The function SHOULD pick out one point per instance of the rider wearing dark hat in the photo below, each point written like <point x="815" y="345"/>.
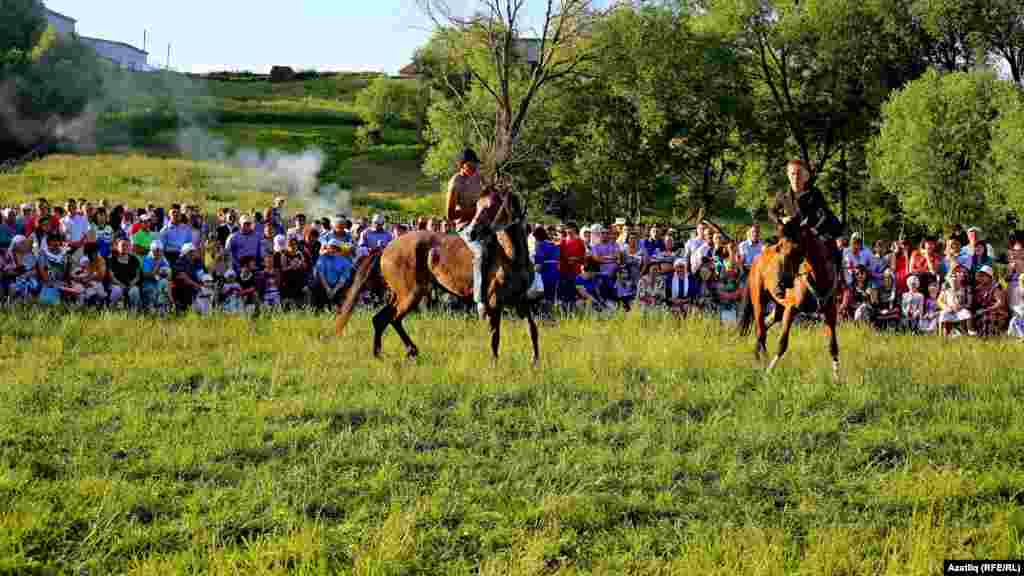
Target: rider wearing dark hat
<point x="464" y="194"/>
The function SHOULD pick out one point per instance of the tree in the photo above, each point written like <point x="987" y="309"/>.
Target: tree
<point x="660" y="105"/>
<point x="934" y="150"/>
<point x="495" y="51"/>
<point x="20" y="29"/>
<point x="1006" y="184"/>
<point x="386" y="101"/>
<point x="820" y="71"/>
<point x="45" y="80"/>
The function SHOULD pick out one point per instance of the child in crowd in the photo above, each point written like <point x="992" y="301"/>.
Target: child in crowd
<point x="219" y="260"/>
<point x="648" y="295"/>
<point x="203" y="304"/>
<point x="955" y="303"/>
<point x="164" y="300"/>
<point x="913" y="305"/>
<point x="1015" y="300"/>
<point x="625" y="288"/>
<point x="79" y="286"/>
<point x="930" y="318"/>
<point x="271" y="291"/>
<point x="231" y="293"/>
<point x="249" y="282"/>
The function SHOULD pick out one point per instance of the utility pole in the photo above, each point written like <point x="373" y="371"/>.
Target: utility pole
<point x="167" y="65"/>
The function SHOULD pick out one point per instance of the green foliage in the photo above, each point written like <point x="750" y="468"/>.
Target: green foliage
<point x="21" y="27"/>
<point x="935" y="144"/>
<point x="44" y="83"/>
<point x="390" y="102"/>
<point x="1006" y="186"/>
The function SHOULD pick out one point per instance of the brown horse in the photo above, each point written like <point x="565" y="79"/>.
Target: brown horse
<point x="414" y="262"/>
<point x="818" y="276"/>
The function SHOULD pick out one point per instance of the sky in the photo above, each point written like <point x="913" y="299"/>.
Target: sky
<point x="205" y="35"/>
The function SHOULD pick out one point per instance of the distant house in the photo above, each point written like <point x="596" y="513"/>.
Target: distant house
<point x="63" y="25"/>
<point x="410" y="71"/>
<point x="124" y="55"/>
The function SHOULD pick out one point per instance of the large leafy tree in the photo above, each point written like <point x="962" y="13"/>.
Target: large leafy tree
<point x="819" y="70"/>
<point x="494" y="47"/>
<point x="660" y="107"/>
<point x="45" y="80"/>
<point x="934" y="150"/>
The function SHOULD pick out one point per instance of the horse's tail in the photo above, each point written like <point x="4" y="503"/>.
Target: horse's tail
<point x="747" y="308"/>
<point x="370" y="265"/>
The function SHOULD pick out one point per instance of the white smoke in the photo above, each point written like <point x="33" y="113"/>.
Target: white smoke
<point x="295" y="175"/>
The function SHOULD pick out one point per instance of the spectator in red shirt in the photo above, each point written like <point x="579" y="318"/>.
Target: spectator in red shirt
<point x="572" y="251"/>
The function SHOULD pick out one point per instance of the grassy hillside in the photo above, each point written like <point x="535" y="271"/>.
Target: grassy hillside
<point x="268" y="446"/>
<point x="290" y="117"/>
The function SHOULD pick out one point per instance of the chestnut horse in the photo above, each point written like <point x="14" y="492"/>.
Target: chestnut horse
<point x="818" y="277"/>
<point x="414" y="262"/>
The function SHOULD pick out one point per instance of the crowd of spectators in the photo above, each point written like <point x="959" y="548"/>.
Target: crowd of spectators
<point x="150" y="259"/>
<point x="948" y="286"/>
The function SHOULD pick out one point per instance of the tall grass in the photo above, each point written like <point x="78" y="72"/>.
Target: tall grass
<point x="134" y="180"/>
<point x="643" y="445"/>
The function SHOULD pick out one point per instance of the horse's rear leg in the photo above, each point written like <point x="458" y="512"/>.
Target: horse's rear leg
<point x="831" y="316"/>
<point x="381" y="320"/>
<point x="526" y="311"/>
<point x="787" y="323"/>
<point x="402" y="308"/>
<point x="760" y="347"/>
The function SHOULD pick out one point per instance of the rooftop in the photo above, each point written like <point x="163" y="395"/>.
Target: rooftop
<point x="102" y="41"/>
<point x="59" y="15"/>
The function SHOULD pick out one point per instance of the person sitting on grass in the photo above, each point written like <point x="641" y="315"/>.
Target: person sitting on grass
<point x="1015" y="303"/>
<point x="153" y="275"/>
<point x="187" y="282"/>
<point x="55" y="269"/>
<point x="683" y="290"/>
<point x="203" y="304"/>
<point x="231" y="293"/>
<point x="125" y="275"/>
<point x="929" y="323"/>
<point x="990" y="309"/>
<point x="955" y="303"/>
<point x="586" y="286"/>
<point x="727" y="289"/>
<point x="887" y="303"/>
<point x="913" y="305"/>
<point x="856" y="301"/>
<point x="333" y="272"/>
<point x="250" y="279"/>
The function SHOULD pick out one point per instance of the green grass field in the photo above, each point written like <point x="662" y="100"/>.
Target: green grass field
<point x="642" y="446"/>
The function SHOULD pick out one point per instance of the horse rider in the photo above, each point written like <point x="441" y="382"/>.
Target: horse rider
<point x="465" y="192"/>
<point x="804" y="204"/>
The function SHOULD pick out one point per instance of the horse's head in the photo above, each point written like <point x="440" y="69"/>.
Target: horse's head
<point x="515" y="213"/>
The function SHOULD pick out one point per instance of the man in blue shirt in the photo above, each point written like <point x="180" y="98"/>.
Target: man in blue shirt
<point x="376" y="236"/>
<point x="333" y="272"/>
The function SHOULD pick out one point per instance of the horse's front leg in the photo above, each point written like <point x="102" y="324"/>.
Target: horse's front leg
<point x="787" y="323"/>
<point x="495" y="318"/>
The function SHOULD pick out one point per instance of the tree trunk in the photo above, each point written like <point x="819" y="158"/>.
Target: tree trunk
<point x="844" y="188"/>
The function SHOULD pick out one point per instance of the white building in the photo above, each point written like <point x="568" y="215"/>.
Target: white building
<point x="64" y="25"/>
<point x="124" y="55"/>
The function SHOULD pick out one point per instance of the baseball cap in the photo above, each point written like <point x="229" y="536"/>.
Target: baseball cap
<point x="378" y="219"/>
<point x="620" y="221"/>
<point x="985" y="270"/>
<point x="245" y="219"/>
<point x="156" y="245"/>
<point x="187" y="247"/>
